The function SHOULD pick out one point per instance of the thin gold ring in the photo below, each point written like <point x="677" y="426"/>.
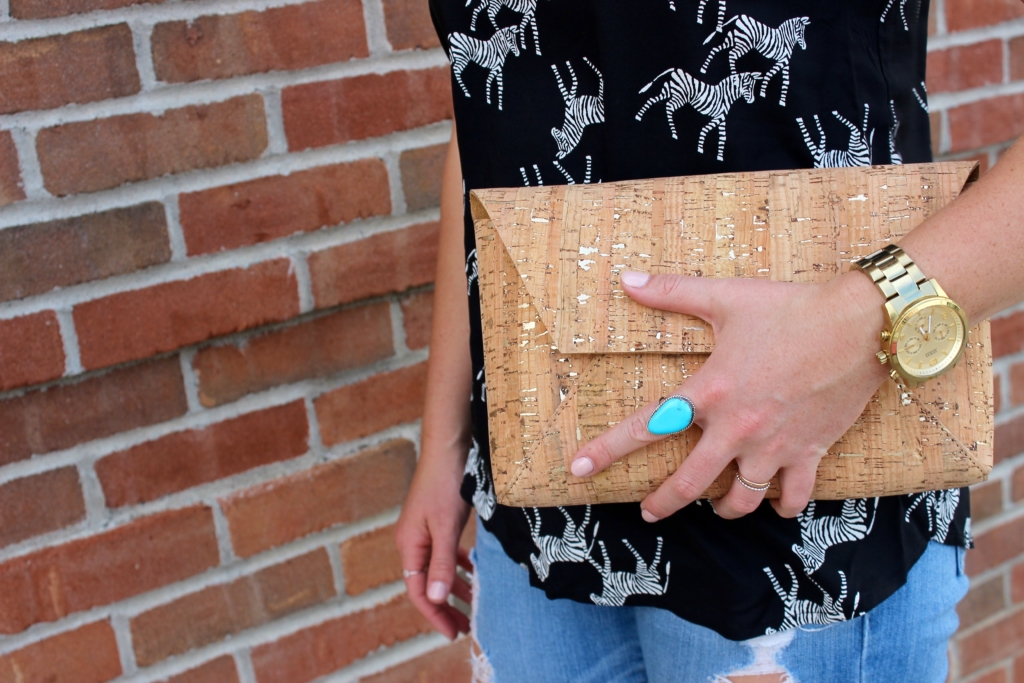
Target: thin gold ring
<point x="752" y="485"/>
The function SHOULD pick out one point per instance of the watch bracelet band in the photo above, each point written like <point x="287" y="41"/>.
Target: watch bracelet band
<point x="899" y="278"/>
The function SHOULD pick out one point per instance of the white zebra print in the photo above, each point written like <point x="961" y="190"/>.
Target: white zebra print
<point x="894" y="154"/>
<point x="857" y="153"/>
<point x="528" y="8"/>
<point x="682" y="89"/>
<point x="484" y="499"/>
<point x="800" y="612"/>
<point x="940" y="506"/>
<point x="571" y="546"/>
<point x="472" y="271"/>
<point x="921" y="99"/>
<point x="817" y="535"/>
<point x="903" y="13"/>
<point x="617" y="586"/>
<point x="490" y="54"/>
<point x="580" y="112"/>
<point x="561" y="169"/>
<point x="721" y="16"/>
<point x="772" y="43"/>
<point x="569" y="179"/>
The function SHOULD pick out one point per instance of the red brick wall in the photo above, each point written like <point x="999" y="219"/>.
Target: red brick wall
<point x="218" y="224"/>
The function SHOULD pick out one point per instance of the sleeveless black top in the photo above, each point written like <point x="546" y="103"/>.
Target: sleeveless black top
<point x="576" y="91"/>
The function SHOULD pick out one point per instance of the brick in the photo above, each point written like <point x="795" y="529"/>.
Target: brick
<point x="997" y="392"/>
<point x="140" y="556"/>
<point x="326" y="647"/>
<point x="965" y="66"/>
<point x="982" y="601"/>
<point x="986" y="122"/>
<point x="996" y="546"/>
<point x="144" y="322"/>
<point x="268" y="208"/>
<point x="988" y="645"/>
<point x="1017" y="582"/>
<point x="408" y="25"/>
<point x="967" y="14"/>
<point x="994" y="676"/>
<point x="935" y="128"/>
<point x="11" y="187"/>
<point x="333" y="112"/>
<point x="1018" y="669"/>
<point x="986" y="500"/>
<point x="95" y="155"/>
<point x="1009" y="439"/>
<point x="280" y="38"/>
<point x="87" y="66"/>
<point x="38" y="504"/>
<point x="422" y="170"/>
<point x="220" y="670"/>
<point x="383" y="263"/>
<point x="1017" y="384"/>
<point x="1017" y="59"/>
<point x="46" y="9"/>
<point x="357" y="410"/>
<point x="38" y="257"/>
<point x="370" y="559"/>
<point x="417" y="313"/>
<point x="334" y="493"/>
<point x="449" y="663"/>
<point x="189" y="458"/>
<point x="68" y="414"/>
<point x="343" y="340"/>
<point x="1008" y="334"/>
<point x="217" y="612"/>
<point x="86" y="655"/>
<point x="1017" y="484"/>
<point x="31" y="349"/>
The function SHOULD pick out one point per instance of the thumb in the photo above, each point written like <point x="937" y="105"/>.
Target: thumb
<point x="689" y="294"/>
<point x="443" y="559"/>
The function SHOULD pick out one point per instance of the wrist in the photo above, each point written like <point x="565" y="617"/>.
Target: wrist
<point x="864" y="316"/>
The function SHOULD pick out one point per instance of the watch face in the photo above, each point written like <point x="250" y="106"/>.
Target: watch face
<point x="929" y="337"/>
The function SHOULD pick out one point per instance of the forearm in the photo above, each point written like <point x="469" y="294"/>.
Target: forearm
<point x="974" y="247"/>
<point x="446" y="423"/>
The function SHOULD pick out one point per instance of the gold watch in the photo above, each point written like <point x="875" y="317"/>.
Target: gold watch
<point x="926" y="332"/>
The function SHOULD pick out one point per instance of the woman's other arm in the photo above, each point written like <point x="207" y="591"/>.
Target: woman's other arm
<point x="434" y="513"/>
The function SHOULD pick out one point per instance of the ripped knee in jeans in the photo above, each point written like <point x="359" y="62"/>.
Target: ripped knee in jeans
<point x="765" y="668"/>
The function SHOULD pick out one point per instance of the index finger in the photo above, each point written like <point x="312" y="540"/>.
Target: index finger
<point x="636" y="431"/>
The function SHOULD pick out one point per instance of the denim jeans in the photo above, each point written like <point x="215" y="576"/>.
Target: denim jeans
<point x="525" y="637"/>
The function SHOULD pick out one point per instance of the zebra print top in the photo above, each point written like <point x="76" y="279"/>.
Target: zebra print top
<point x="577" y="91"/>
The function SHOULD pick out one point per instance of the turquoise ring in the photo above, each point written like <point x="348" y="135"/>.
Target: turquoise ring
<point x="674" y="415"/>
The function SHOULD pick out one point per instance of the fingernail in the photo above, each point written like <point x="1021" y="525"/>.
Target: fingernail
<point x="581" y="467"/>
<point x="648" y="517"/>
<point x="634" y="279"/>
<point x="437" y="591"/>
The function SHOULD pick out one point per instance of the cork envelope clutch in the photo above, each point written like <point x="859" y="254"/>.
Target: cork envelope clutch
<point x="568" y="354"/>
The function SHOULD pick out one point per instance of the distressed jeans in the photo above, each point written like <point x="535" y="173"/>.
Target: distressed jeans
<point x="522" y="636"/>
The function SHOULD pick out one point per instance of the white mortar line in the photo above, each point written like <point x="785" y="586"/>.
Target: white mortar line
<point x="391" y="163"/>
<point x="172" y="11"/>
<point x="5" y="10"/>
<point x="277" y="140"/>
<point x="136" y="605"/>
<point x="376" y="27"/>
<point x="316" y="444"/>
<point x="158" y="189"/>
<point x="188" y="377"/>
<point x="175" y="96"/>
<point x="399" y="653"/>
<point x="338" y="573"/>
<point x="1006" y="62"/>
<point x="69" y="337"/>
<point x="243" y="664"/>
<point x="939" y="6"/>
<point x="31" y="174"/>
<point x="1004" y="30"/>
<point x="175" y="234"/>
<point x="123" y="637"/>
<point x="96" y="513"/>
<point x="398" y="329"/>
<point x="945" y="138"/>
<point x="141" y="39"/>
<point x="223" y="531"/>
<point x="949" y="100"/>
<point x="300" y="268"/>
<point x="243" y="257"/>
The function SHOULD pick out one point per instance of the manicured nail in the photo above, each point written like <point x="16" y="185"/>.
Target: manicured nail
<point x="581" y="467"/>
<point x="648" y="517"/>
<point x="437" y="591"/>
<point x="634" y="279"/>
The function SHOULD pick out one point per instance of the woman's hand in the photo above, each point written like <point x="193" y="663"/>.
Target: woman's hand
<point x="793" y="367"/>
<point x="427" y="535"/>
